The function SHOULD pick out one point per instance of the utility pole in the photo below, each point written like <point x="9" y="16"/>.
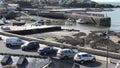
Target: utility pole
<point x="107" y="40"/>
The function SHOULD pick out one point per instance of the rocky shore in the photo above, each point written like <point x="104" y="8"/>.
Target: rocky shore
<point x="84" y="38"/>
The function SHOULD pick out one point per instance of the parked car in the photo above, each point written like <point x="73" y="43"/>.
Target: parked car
<point x="65" y="53"/>
<point x="31" y="45"/>
<point x="117" y="64"/>
<point x="36" y="24"/>
<point x="82" y="57"/>
<point x="13" y="41"/>
<point x="47" y="50"/>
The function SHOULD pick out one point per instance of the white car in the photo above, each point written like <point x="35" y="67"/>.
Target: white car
<point x="117" y="65"/>
<point x="36" y="24"/>
<point x="65" y="53"/>
<point x="82" y="57"/>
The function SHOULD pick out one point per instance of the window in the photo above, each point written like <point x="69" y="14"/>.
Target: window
<point x="47" y="48"/>
<point x="30" y="44"/>
<point x="85" y="55"/>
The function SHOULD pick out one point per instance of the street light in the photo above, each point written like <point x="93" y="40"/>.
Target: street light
<point x="106" y="34"/>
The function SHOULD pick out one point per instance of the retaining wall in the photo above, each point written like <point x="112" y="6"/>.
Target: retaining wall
<point x="93" y="51"/>
<point x="34" y="31"/>
<point x="96" y="20"/>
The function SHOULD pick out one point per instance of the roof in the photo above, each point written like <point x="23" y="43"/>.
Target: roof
<point x="81" y="53"/>
<point x="65" y="49"/>
<point x="12" y="38"/>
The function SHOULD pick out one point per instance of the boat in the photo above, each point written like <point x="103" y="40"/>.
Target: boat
<point x="80" y="21"/>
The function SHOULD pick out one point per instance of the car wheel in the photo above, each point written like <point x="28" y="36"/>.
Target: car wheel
<point x="66" y="57"/>
<point x="8" y="45"/>
<point x="45" y="53"/>
<point x="82" y="61"/>
<point x="76" y="61"/>
<point x="93" y="59"/>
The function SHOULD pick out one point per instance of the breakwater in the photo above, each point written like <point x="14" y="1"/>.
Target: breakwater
<point x="96" y="19"/>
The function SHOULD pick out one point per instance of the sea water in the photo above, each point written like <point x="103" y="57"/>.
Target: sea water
<point x="115" y="20"/>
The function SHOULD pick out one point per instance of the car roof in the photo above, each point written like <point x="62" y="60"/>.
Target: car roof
<point x="33" y="41"/>
<point x="27" y="42"/>
<point x="65" y="49"/>
<point x="46" y="47"/>
<point x="12" y="38"/>
<point x="82" y="53"/>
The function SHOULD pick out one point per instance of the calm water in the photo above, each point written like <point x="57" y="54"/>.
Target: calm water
<point x="115" y="21"/>
<point x="113" y="3"/>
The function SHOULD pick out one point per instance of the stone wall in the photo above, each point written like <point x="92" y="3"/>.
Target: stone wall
<point x="34" y="31"/>
<point x="96" y="20"/>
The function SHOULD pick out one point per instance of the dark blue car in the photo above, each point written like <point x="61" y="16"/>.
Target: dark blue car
<point x="47" y="50"/>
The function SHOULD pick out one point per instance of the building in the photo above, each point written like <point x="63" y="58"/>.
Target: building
<point x="83" y="1"/>
<point x="61" y="2"/>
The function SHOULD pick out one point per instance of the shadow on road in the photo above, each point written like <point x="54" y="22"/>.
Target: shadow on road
<point x="92" y="64"/>
<point x="57" y="63"/>
<point x="14" y="47"/>
<point x="29" y="50"/>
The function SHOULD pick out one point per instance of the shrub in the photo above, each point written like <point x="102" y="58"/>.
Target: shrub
<point x="9" y="66"/>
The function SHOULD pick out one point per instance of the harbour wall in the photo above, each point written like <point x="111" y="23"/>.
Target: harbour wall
<point x="34" y="31"/>
<point x="95" y="19"/>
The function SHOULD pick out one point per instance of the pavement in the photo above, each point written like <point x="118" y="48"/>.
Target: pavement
<point x="114" y="61"/>
<point x="57" y="63"/>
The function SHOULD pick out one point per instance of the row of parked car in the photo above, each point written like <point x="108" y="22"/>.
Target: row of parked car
<point x="17" y="42"/>
<point x="47" y="50"/>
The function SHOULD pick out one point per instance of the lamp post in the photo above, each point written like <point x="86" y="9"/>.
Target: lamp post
<point x="107" y="39"/>
<point x="107" y="54"/>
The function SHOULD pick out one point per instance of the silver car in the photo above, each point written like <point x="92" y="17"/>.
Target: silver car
<point x="65" y="53"/>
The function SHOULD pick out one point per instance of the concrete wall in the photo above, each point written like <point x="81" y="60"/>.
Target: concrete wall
<point x="96" y="20"/>
<point x="34" y="31"/>
<point x="93" y="51"/>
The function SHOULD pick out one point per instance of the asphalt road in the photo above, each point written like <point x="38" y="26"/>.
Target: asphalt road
<point x="57" y="63"/>
<point x="15" y="50"/>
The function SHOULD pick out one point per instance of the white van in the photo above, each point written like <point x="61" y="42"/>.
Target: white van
<point x="117" y="64"/>
<point x="13" y="41"/>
